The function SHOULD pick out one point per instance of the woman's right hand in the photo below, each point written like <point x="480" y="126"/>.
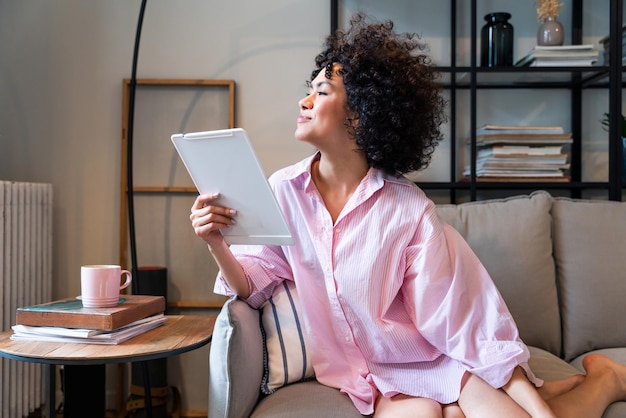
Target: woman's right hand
<point x="208" y="219"/>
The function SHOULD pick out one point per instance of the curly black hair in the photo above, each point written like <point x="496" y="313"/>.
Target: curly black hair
<point x="391" y="89"/>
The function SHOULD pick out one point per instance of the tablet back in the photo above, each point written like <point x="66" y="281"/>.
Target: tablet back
<point x="223" y="161"/>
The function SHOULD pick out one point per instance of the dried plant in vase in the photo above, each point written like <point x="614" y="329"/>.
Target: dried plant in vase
<point x="550" y="31"/>
<point x="547" y="8"/>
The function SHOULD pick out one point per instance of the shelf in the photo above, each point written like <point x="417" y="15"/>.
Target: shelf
<point x="484" y="185"/>
<point x="470" y="79"/>
<point x="167" y="189"/>
<point x="525" y="77"/>
<point x="163" y="187"/>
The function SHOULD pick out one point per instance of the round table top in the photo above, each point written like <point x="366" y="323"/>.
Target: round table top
<point x="179" y="334"/>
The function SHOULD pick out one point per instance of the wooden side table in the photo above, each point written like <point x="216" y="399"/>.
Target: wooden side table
<point x="179" y="334"/>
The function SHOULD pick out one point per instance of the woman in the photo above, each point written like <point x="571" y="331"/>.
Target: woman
<point x="388" y="291"/>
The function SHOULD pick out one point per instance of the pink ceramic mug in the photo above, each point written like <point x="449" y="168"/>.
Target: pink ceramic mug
<point x="100" y="285"/>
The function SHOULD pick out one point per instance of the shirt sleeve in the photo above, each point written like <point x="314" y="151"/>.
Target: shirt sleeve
<point x="456" y="306"/>
<point x="264" y="266"/>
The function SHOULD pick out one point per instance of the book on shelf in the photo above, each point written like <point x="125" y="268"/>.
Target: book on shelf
<point x="520" y="153"/>
<point x="563" y="62"/>
<point x="84" y="335"/>
<point x="70" y="313"/>
<point x="518" y="167"/>
<point x="523" y="138"/>
<point x="519" y="174"/>
<point x="563" y="49"/>
<point x="565" y="55"/>
<point x="490" y="129"/>
<point x="525" y="162"/>
<point x="492" y="135"/>
<point x="519" y="150"/>
<point x="521" y="165"/>
<point x="528" y="179"/>
<point x="517" y="171"/>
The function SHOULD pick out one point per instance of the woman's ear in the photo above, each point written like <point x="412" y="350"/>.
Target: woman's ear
<point x="352" y="117"/>
<point x="353" y="120"/>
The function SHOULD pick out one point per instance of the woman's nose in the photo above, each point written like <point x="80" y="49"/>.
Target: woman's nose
<point x="306" y="102"/>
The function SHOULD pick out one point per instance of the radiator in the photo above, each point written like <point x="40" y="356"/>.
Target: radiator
<point x="25" y="279"/>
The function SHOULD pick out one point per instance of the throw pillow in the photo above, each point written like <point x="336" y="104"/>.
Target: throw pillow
<point x="286" y="358"/>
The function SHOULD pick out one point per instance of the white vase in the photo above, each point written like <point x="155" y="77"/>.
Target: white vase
<point x="550" y="32"/>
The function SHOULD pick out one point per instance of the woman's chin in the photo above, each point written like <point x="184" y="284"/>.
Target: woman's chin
<point x="300" y="135"/>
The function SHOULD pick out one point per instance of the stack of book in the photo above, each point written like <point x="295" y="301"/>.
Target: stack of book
<point x="521" y="153"/>
<point x="605" y="42"/>
<point x="560" y="56"/>
<point x="66" y="320"/>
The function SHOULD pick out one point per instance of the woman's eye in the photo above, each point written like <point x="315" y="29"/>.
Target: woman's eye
<point x="319" y="93"/>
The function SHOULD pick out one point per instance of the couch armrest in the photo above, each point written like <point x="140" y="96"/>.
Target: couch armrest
<point x="235" y="361"/>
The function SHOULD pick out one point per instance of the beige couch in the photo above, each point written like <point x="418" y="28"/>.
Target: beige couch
<point x="559" y="263"/>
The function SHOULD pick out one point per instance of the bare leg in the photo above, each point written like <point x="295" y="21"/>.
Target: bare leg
<point x="573" y="397"/>
<point x="552" y="389"/>
<point x="604" y="384"/>
<point x="452" y="411"/>
<point x="403" y="406"/>
<point x="480" y="400"/>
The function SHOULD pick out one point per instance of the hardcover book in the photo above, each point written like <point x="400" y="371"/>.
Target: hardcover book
<point x="86" y="336"/>
<point x="70" y="313"/>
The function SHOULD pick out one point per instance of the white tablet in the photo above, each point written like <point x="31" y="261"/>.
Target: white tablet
<point x="223" y="161"/>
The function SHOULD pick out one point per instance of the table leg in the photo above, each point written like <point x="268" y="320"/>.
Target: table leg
<point x="147" y="390"/>
<point x="84" y="390"/>
<point x="52" y="389"/>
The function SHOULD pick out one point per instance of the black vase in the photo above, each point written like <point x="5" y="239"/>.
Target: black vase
<point x="496" y="36"/>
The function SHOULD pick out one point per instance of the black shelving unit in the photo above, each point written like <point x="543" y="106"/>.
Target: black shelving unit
<point x="574" y="79"/>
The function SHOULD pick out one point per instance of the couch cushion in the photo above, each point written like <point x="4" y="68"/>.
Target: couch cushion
<point x="615" y="410"/>
<point x="512" y="238"/>
<point x="547" y="366"/>
<point x="236" y="342"/>
<point x="306" y="400"/>
<point x="589" y="251"/>
<point x="618" y="354"/>
<point x="286" y="358"/>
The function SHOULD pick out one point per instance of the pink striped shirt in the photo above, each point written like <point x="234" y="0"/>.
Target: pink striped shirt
<point x="393" y="299"/>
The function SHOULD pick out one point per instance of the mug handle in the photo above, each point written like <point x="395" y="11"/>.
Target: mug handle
<point x="129" y="278"/>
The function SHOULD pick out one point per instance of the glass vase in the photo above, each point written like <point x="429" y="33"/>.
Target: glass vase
<point x="496" y="41"/>
<point x="550" y="32"/>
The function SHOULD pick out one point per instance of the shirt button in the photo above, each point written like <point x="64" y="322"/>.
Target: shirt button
<point x="360" y="370"/>
<point x="347" y="339"/>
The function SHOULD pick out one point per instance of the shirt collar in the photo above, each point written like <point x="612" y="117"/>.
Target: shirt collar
<point x="373" y="180"/>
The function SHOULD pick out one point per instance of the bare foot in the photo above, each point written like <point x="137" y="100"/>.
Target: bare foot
<point x="554" y="388"/>
<point x="610" y="372"/>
